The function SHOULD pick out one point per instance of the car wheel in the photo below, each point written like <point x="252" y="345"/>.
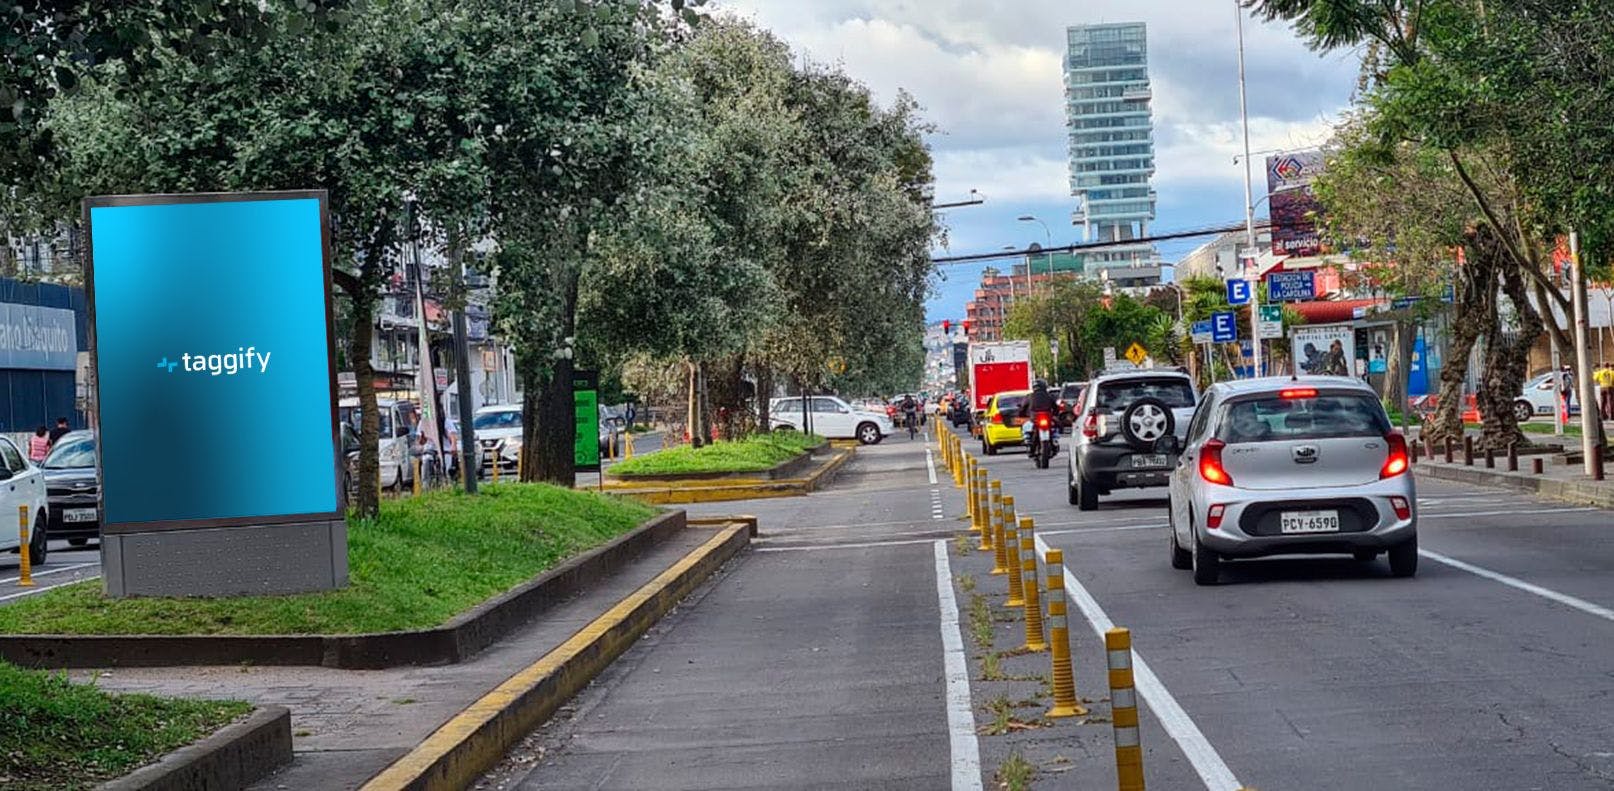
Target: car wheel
<point x="38" y="543"/>
<point x="991" y="450"/>
<point x="1087" y="495"/>
<point x="77" y="542"/>
<point x="1070" y="488"/>
<point x="868" y="433"/>
<point x="1181" y="559"/>
<point x="1365" y="555"/>
<point x="1207" y="565"/>
<point x="1522" y="411"/>
<point x="1145" y="422"/>
<point x="398" y="482"/>
<point x="1404" y="558"/>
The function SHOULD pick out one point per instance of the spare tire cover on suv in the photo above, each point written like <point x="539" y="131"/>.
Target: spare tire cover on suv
<point x="1147" y="420"/>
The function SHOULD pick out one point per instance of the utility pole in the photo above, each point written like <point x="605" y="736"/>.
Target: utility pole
<point x="1249" y="206"/>
<point x="1591" y="418"/>
<point x="462" y="372"/>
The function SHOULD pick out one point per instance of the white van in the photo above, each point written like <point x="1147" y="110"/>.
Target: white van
<point x="397" y="469"/>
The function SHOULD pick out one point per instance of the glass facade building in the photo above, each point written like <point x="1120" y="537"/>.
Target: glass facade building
<point x="1111" y="137"/>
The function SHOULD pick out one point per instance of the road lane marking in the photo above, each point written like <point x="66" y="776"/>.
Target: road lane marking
<point x="48" y="572"/>
<point x="1207" y="763"/>
<point x="1107" y="529"/>
<point x="966" y="750"/>
<point x="857" y="545"/>
<point x="930" y="466"/>
<point x="1514" y="582"/>
<point x="37" y="591"/>
<point x="936" y="505"/>
<point x="1422" y="515"/>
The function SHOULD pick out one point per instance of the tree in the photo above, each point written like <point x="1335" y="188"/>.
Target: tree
<point x="1058" y="313"/>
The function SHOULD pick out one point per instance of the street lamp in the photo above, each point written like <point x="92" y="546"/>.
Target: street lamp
<point x="1249" y="203"/>
<point x="1047" y="236"/>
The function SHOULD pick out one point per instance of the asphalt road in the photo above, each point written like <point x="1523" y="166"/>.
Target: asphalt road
<point x="63" y="565"/>
<point x="1493" y="668"/>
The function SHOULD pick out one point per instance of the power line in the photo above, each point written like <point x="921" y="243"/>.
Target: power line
<point x="1072" y="248"/>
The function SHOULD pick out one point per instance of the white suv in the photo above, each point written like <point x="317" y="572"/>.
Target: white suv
<point x="22" y="484"/>
<point x="832" y="418"/>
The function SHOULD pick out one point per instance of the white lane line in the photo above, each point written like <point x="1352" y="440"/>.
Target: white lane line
<point x="960" y="714"/>
<point x="1514" y="582"/>
<point x="49" y="572"/>
<point x="1109" y="529"/>
<point x="930" y="466"/>
<point x="46" y="588"/>
<point x="859" y="545"/>
<point x="1176" y="722"/>
<point x="1422" y="515"/>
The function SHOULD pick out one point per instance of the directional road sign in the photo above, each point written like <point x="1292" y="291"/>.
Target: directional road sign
<point x="1202" y="331"/>
<point x="1271" y="323"/>
<point x="1238" y="292"/>
<point x="1224" y="327"/>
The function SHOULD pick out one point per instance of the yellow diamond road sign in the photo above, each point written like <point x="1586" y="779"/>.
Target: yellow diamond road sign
<point x="1137" y="354"/>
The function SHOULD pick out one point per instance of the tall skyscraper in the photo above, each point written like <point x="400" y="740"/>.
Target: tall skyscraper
<point x="1111" y="139"/>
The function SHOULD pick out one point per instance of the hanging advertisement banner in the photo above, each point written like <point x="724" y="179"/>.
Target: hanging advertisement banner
<point x="1294" y="208"/>
<point x="1324" y="350"/>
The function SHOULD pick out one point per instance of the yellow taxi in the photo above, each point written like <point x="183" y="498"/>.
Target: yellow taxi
<point x="1001" y="425"/>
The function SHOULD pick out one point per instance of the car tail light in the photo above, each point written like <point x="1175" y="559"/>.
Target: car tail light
<point x="1090" y="425"/>
<point x="1042" y="420"/>
<point x="1210" y="463"/>
<point x="1403" y="510"/>
<point x="1298" y="392"/>
<point x="1396" y="462"/>
<point x="997" y="417"/>
<point x="1213" y="517"/>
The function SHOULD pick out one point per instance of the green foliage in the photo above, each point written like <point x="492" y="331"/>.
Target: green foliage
<point x="421" y="562"/>
<point x="752" y="454"/>
<point x="63" y="736"/>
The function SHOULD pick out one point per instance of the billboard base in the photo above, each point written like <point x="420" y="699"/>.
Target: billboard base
<point x="230" y="561"/>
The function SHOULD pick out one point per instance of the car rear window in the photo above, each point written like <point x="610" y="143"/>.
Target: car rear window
<point x="1117" y="396"/>
<point x="1010" y="402"/>
<point x="1070" y="392"/>
<point x="1325" y="416"/>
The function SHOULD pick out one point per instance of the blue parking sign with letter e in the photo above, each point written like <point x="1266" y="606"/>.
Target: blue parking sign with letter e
<point x="1224" y="327"/>
<point x="1238" y="292"/>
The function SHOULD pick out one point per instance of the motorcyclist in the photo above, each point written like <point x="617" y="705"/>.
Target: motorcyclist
<point x="1039" y="402"/>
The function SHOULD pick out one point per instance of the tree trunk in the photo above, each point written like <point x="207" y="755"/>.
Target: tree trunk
<point x="1507" y="358"/>
<point x="368" y="490"/>
<point x="692" y="408"/>
<point x="764" y="396"/>
<point x="1474" y="300"/>
<point x="728" y="398"/>
<point x="549" y="412"/>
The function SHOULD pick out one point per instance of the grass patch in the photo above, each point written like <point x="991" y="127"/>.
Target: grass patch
<point x="980" y="620"/>
<point x="752" y="454"/>
<point x="992" y="667"/>
<point x="962" y="545"/>
<point x="55" y="734"/>
<point x="421" y="562"/>
<point x="1015" y="773"/>
<point x="966" y="582"/>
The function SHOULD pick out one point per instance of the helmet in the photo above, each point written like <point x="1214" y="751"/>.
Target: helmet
<point x="1039" y="385"/>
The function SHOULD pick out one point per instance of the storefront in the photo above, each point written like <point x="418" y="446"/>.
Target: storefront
<point x="43" y="349"/>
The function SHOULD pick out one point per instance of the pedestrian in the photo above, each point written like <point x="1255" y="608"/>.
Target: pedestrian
<point x="1605" y="390"/>
<point x="38" y="445"/>
<point x="61" y="428"/>
<point x="1566" y="388"/>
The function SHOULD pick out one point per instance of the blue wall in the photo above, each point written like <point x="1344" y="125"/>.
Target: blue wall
<point x="29" y="398"/>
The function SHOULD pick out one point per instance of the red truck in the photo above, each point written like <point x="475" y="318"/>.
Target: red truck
<point x="996" y="367"/>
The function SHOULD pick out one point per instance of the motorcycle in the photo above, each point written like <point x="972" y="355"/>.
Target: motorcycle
<point x="1042" y="440"/>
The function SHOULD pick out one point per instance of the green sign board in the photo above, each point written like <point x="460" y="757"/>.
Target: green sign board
<point x="586" y="397"/>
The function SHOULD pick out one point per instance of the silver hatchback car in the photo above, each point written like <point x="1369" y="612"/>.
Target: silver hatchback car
<point x="1292" y="466"/>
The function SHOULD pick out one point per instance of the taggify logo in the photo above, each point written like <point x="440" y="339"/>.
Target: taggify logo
<point x="242" y="359"/>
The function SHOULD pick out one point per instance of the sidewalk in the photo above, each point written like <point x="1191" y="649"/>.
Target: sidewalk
<point x="347" y="725"/>
<point x="1559" y="481"/>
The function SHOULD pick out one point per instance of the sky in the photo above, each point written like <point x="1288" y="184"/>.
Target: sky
<point x="989" y="76"/>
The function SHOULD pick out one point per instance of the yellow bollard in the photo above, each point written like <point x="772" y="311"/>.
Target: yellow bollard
<point x="958" y="469"/>
<point x="969" y="491"/>
<point x="417" y="476"/>
<point x="520" y="454"/>
<point x="1011" y="558"/>
<point x="1000" y="563"/>
<point x="1124" y="710"/>
<point x="25" y="577"/>
<point x="993" y="515"/>
<point x="1065" y="701"/>
<point x="980" y="501"/>
<point x="1031" y="587"/>
<point x="628" y="454"/>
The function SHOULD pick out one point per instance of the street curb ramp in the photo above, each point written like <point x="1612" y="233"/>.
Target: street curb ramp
<point x="236" y="756"/>
<point x="474" y="740"/>
<point x="455" y="641"/>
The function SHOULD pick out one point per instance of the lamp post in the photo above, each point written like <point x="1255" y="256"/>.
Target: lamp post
<point x="1249" y="204"/>
<point x="1047" y="236"/>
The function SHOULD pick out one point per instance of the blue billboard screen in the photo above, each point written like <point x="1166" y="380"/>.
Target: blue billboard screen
<point x="212" y="332"/>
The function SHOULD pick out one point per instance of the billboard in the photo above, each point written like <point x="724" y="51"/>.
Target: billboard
<point x="586" y="408"/>
<point x="1293" y="207"/>
<point x="1325" y="350"/>
<point x="211" y="331"/>
<point x="36" y="337"/>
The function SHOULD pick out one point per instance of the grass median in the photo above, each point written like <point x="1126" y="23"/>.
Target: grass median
<point x="56" y="735"/>
<point x="753" y="454"/>
<point x="421" y="562"/>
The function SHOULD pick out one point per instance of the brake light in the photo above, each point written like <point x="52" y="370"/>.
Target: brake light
<point x="1090" y="425"/>
<point x="1403" y="510"/>
<point x="997" y="417"/>
<point x="1042" y="420"/>
<point x="1213" y="517"/>
<point x="1298" y="392"/>
<point x="1396" y="462"/>
<point x="1210" y="463"/>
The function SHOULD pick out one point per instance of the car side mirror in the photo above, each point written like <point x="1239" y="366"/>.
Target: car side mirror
<point x="1168" y="444"/>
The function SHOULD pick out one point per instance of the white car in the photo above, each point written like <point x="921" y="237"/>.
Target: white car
<point x="397" y="469"/>
<point x="498" y="433"/>
<point x="22" y="484"/>
<point x="832" y="418"/>
<point x="1540" y="398"/>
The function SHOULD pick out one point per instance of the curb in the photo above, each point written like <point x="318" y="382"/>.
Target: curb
<point x="1577" y="492"/>
<point x="474" y="740"/>
<point x="455" y="641"/>
<point x="709" y="492"/>
<point x="236" y="756"/>
<point x="778" y="472"/>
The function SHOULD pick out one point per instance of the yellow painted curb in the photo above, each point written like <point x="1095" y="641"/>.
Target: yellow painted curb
<point x="474" y="740"/>
<point x="710" y="492"/>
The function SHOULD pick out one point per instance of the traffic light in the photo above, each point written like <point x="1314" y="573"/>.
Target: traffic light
<point x="947" y="327"/>
<point x="966" y="327"/>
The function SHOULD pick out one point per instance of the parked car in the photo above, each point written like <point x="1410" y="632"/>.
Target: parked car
<point x="1540" y="397"/>
<point x="73" y="489"/>
<point x="832" y="418"/>
<point x="1070" y="394"/>
<point x="1000" y="427"/>
<point x="1284" y="466"/>
<point x="25" y="486"/>
<point x="1121" y="417"/>
<point x="397" y="466"/>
